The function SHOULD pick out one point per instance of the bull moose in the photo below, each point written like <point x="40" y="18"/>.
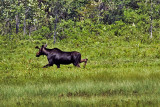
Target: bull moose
<point x="57" y="57"/>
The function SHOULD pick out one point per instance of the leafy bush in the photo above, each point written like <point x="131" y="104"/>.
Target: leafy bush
<point x="44" y="32"/>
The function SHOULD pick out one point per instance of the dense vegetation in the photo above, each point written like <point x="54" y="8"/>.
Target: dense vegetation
<point x="123" y="67"/>
<point x="61" y="19"/>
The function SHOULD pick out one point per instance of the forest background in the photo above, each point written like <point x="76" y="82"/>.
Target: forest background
<point x="64" y="18"/>
<point x="119" y="37"/>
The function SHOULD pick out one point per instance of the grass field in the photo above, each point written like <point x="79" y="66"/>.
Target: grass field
<point x="118" y="73"/>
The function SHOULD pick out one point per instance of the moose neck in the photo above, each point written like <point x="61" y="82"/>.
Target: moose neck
<point x="45" y="51"/>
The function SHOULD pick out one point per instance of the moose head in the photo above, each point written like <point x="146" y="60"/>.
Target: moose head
<point x="41" y="50"/>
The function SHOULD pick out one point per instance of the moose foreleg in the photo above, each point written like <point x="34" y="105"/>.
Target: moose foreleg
<point x="47" y="65"/>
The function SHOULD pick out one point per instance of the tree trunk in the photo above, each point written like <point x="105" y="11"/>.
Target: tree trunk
<point x="151" y="26"/>
<point x="30" y="29"/>
<point x="24" y="24"/>
<point x="55" y="32"/>
<point x="17" y="23"/>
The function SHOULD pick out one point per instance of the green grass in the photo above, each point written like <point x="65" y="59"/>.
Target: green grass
<point x="118" y="73"/>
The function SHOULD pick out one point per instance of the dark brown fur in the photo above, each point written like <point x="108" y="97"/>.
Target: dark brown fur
<point x="57" y="57"/>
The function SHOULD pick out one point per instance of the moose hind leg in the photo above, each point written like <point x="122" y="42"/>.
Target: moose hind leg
<point x="85" y="61"/>
<point x="77" y="65"/>
<point x="77" y="60"/>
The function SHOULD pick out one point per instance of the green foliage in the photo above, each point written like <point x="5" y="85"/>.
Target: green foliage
<point x="71" y="14"/>
<point x="42" y="33"/>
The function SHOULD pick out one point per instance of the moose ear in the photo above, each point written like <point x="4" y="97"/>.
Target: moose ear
<point x="37" y="47"/>
<point x="45" y="45"/>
